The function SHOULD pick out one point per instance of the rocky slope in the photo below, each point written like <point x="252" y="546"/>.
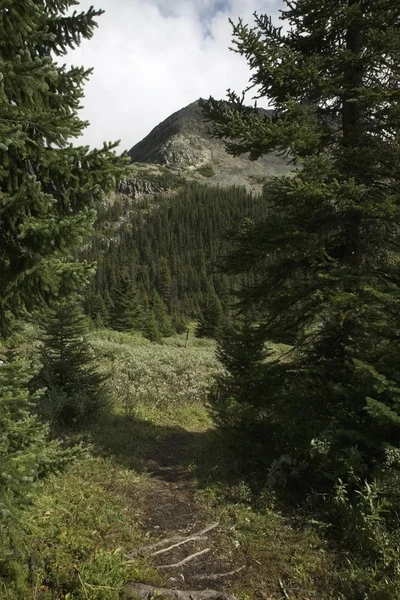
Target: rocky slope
<point x="183" y="145"/>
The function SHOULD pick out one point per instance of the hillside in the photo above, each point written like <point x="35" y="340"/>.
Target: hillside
<point x="182" y="143"/>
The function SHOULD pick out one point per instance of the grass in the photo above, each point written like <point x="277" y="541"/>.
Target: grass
<point x="77" y="534"/>
<point x="86" y="519"/>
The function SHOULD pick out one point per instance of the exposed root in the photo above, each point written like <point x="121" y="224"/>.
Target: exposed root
<point x="174" y="541"/>
<point x="185" y="560"/>
<point x="219" y="575"/>
<point x="147" y="592"/>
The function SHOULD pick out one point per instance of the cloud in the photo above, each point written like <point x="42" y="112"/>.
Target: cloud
<point x="152" y="57"/>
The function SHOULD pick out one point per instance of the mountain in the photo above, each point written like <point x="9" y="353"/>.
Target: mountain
<point x="183" y="144"/>
<point x="160" y="238"/>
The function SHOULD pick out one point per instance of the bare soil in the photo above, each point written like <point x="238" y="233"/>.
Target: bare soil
<point x="168" y="508"/>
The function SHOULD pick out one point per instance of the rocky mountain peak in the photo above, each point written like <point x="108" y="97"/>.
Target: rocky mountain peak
<point x="182" y="142"/>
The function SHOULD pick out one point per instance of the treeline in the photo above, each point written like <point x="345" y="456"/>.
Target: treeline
<point x="157" y="259"/>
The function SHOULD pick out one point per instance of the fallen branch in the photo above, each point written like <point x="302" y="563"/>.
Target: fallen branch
<point x="219" y="575"/>
<point x="193" y="538"/>
<point x="185" y="560"/>
<point x="175" y="541"/>
<point x="147" y="592"/>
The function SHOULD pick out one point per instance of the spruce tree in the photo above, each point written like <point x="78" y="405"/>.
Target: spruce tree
<point x="150" y="327"/>
<point x="26" y="455"/>
<point x="74" y="387"/>
<point x="49" y="188"/>
<point x="127" y="311"/>
<point x="328" y="253"/>
<point x="163" y="320"/>
<point x="211" y="318"/>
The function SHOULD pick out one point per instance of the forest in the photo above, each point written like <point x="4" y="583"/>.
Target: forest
<point x="157" y="258"/>
<point x="200" y="392"/>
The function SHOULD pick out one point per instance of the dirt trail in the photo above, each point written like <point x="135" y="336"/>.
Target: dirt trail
<point x="168" y="509"/>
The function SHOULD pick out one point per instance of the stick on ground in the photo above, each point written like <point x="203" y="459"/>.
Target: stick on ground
<point x="185" y="560"/>
<point x="176" y="540"/>
<point x="219" y="575"/>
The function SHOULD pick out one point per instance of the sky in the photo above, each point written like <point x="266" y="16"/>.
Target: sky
<point x="153" y="57"/>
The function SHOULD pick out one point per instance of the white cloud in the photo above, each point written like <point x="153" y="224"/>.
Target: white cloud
<point x="152" y="57"/>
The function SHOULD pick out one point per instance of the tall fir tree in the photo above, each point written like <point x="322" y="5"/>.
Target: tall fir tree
<point x="328" y="254"/>
<point x="49" y="188"/>
<point x="211" y="318"/>
<point x="127" y="310"/>
<point x="74" y="394"/>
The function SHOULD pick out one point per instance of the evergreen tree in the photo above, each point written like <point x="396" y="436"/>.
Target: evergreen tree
<point x="163" y="320"/>
<point x="127" y="311"/>
<point x="150" y="327"/>
<point x="26" y="455"/>
<point x="49" y="188"/>
<point x="328" y="252"/>
<point x="240" y="350"/>
<point x="211" y="318"/>
<point x="48" y="192"/>
<point x="75" y="394"/>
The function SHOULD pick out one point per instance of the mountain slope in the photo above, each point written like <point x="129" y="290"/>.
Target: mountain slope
<point x="182" y="143"/>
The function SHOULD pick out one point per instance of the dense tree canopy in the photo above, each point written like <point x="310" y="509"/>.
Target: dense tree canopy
<point x="328" y="253"/>
<point x="48" y="188"/>
<point x="49" y="191"/>
<point x="168" y="244"/>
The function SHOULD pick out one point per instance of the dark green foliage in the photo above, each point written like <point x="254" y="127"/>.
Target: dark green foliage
<point x="162" y="318"/>
<point x="245" y="396"/>
<point x="49" y="192"/>
<point x="126" y="311"/>
<point x="49" y="188"/>
<point x="240" y="349"/>
<point x="211" y="318"/>
<point x="171" y="245"/>
<point x="328" y="251"/>
<point x="26" y="454"/>
<point x="150" y="328"/>
<point x="328" y="260"/>
<point x="74" y="396"/>
<point x="96" y="308"/>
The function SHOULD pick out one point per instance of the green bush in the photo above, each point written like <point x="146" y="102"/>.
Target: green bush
<point x="206" y="170"/>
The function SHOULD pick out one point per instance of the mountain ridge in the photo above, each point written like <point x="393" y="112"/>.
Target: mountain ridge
<point x="182" y="143"/>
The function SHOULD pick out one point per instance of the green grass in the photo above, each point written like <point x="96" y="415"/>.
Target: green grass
<point x="86" y="519"/>
<point x="77" y="534"/>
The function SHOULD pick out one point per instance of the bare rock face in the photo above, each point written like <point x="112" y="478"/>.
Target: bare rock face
<point x="182" y="143"/>
<point x="135" y="188"/>
<point x="188" y="151"/>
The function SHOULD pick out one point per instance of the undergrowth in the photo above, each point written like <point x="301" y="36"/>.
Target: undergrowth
<point x="77" y="535"/>
<point x="85" y="520"/>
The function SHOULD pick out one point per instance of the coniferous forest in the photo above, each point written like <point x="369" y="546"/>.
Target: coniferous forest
<point x="199" y="387"/>
<point x="161" y="255"/>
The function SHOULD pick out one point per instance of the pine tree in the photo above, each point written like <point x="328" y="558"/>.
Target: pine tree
<point x="150" y="327"/>
<point x="74" y="395"/>
<point x="211" y="318"/>
<point x="49" y="188"/>
<point x="328" y="252"/>
<point x="241" y="351"/>
<point x="26" y="455"/>
<point x="163" y="320"/>
<point x="127" y="311"/>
